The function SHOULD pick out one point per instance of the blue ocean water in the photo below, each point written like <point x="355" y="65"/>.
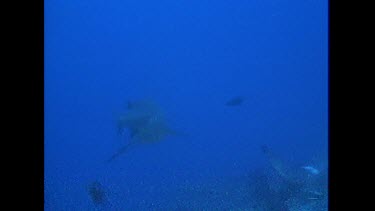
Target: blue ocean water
<point x="230" y="76"/>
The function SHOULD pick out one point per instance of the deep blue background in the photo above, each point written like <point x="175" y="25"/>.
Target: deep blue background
<point x="191" y="56"/>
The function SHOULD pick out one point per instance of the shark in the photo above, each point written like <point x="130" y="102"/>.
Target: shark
<point x="145" y="122"/>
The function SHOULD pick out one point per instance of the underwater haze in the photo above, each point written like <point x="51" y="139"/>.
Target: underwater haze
<point x="186" y="105"/>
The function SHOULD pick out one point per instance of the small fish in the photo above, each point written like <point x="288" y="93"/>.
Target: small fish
<point x="315" y="195"/>
<point x="311" y="170"/>
<point x="235" y="101"/>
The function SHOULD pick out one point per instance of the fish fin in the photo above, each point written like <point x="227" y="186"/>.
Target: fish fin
<point x="120" y="152"/>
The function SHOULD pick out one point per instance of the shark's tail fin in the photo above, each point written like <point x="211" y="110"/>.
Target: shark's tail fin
<point x="120" y="152"/>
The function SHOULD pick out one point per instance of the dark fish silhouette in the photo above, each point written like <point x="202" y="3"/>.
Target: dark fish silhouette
<point x="235" y="101"/>
<point x="97" y="193"/>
